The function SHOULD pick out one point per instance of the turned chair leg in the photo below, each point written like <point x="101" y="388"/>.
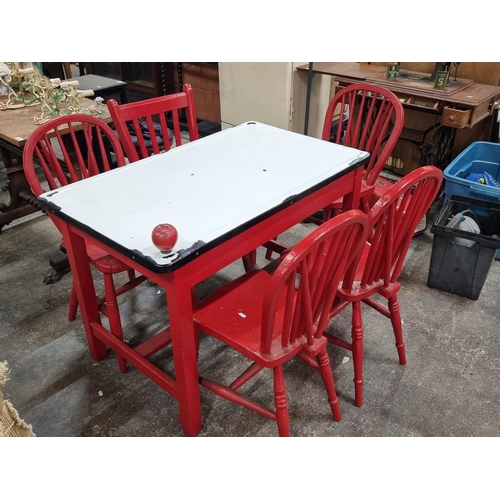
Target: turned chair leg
<point x="357" y="352"/>
<point x="397" y="326"/>
<point x="280" y="402"/>
<point x="326" y="374"/>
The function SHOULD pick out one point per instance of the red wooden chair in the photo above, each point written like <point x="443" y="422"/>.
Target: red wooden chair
<point x="271" y="318"/>
<point x="144" y="126"/>
<point x="150" y="121"/>
<point x="374" y="119"/>
<point x="392" y="221"/>
<point x="68" y="149"/>
<point x="370" y="118"/>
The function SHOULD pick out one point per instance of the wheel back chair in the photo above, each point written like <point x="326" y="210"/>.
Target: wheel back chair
<point x="392" y="222"/>
<point x="68" y="149"/>
<point x="271" y="318"/>
<point x="365" y="117"/>
<point x="370" y="118"/>
<point x="144" y="127"/>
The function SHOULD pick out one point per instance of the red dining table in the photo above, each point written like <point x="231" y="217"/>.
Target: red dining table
<point x="226" y="194"/>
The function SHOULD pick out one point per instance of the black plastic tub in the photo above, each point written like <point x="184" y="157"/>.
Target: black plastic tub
<point x="461" y="260"/>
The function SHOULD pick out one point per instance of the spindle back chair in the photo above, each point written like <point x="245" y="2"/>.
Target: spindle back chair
<point x="145" y="127"/>
<point x="68" y="149"/>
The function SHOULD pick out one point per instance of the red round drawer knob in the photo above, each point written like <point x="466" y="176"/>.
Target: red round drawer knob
<point x="164" y="237"/>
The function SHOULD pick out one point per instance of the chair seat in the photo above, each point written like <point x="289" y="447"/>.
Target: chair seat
<point x="223" y="316"/>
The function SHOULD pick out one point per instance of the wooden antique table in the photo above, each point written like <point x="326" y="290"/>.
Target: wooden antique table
<point x="16" y="125"/>
<point x="226" y="194"/>
<point x="432" y="116"/>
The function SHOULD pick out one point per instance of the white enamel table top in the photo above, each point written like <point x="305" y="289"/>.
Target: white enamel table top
<point x="205" y="188"/>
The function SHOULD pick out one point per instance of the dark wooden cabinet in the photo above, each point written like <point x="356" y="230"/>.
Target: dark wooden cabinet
<point x="144" y="79"/>
<point x="204" y="78"/>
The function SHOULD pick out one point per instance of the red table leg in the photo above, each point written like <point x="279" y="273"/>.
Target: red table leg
<point x="180" y="312"/>
<point x="352" y="199"/>
<point x="84" y="285"/>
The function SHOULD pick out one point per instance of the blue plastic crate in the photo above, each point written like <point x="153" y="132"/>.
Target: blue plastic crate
<point x="477" y="158"/>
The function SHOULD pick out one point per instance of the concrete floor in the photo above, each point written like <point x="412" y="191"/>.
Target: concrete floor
<point x="449" y="386"/>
